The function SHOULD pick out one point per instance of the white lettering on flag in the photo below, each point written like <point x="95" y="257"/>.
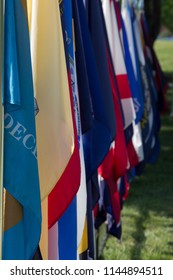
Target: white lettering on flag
<point x="19" y="132"/>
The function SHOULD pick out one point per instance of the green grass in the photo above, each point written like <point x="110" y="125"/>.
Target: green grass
<point x="164" y="50"/>
<point x="147" y="215"/>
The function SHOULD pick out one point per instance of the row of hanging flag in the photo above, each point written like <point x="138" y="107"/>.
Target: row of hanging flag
<point x="82" y="96"/>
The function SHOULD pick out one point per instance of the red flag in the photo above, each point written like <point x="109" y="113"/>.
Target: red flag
<point x="115" y="163"/>
<point x="113" y="24"/>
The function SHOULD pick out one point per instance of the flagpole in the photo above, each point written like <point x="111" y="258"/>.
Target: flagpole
<point x="1" y="121"/>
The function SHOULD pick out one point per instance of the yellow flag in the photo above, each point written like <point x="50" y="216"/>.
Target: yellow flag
<point x="29" y="10"/>
<point x="83" y="246"/>
<point x="44" y="232"/>
<point x="54" y="126"/>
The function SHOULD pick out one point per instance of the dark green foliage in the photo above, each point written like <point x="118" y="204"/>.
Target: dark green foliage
<point x="153" y="15"/>
<point x="167" y="14"/>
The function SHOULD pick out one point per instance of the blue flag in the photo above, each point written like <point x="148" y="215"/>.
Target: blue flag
<point x="155" y="146"/>
<point x="67" y="224"/>
<point x="132" y="61"/>
<point x="147" y="120"/>
<point x="96" y="104"/>
<point x="137" y="98"/>
<point x="22" y="208"/>
<point x="96" y="101"/>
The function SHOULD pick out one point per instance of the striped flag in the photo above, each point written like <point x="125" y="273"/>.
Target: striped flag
<point x="135" y="147"/>
<point x="73" y="220"/>
<point x="113" y="24"/>
<point x="132" y="61"/>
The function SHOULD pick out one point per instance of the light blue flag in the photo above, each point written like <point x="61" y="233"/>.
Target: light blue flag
<point x="22" y="230"/>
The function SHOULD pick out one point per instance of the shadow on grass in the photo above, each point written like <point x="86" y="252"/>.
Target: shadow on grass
<point x="150" y="205"/>
<point x="139" y="235"/>
<point x="153" y="191"/>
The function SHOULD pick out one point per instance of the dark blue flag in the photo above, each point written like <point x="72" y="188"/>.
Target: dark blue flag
<point x="96" y="109"/>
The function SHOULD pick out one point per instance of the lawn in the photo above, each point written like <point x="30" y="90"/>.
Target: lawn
<point x="164" y="50"/>
<point x="147" y="215"/>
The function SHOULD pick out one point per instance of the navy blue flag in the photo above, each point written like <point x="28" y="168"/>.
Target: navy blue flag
<point x="155" y="146"/>
<point x="97" y="111"/>
<point x="160" y="79"/>
<point x="105" y="211"/>
<point x="97" y="31"/>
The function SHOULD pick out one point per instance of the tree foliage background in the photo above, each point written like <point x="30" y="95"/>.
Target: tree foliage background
<point x="153" y="15"/>
<point x="158" y="13"/>
<point x="167" y="14"/>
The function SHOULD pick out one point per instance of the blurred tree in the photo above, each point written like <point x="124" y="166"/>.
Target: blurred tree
<point x="167" y="14"/>
<point x="158" y="12"/>
<point x="152" y="10"/>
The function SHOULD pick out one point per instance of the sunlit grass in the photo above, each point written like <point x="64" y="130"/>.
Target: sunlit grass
<point x="164" y="50"/>
<point x="147" y="215"/>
